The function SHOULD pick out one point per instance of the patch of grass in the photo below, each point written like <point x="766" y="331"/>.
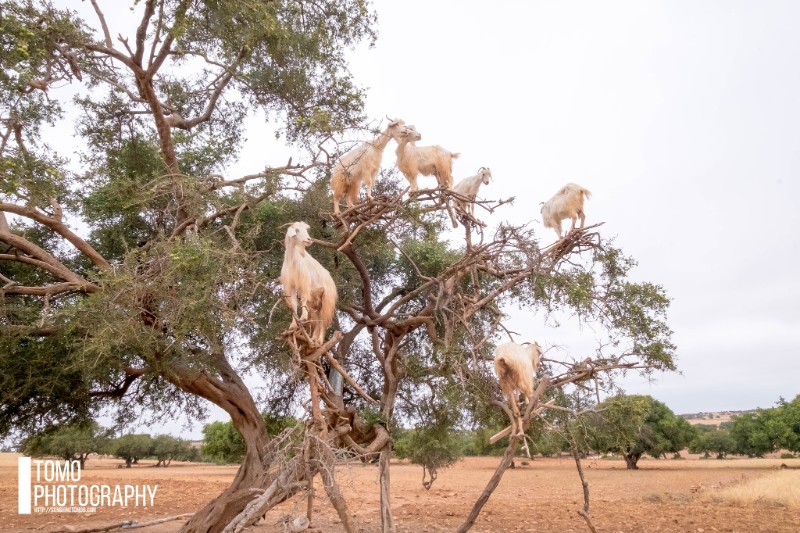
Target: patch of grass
<point x="777" y="488"/>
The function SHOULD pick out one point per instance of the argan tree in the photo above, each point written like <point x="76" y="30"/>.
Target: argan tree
<point x="145" y="278"/>
<point x="131" y="448"/>
<point x="71" y="442"/>
<point x="636" y="425"/>
<point x="134" y="277"/>
<point x="166" y="448"/>
<point x="712" y="439"/>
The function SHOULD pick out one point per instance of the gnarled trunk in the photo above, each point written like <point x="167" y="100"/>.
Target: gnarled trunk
<point x="229" y="392"/>
<point x="631" y="459"/>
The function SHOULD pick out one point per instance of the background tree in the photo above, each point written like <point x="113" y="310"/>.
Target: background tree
<point x="166" y="448"/>
<point x="757" y="434"/>
<point x="222" y="443"/>
<point x="634" y="425"/>
<point x="131" y="448"/>
<point x="437" y="443"/>
<point x="789" y="413"/>
<point x="767" y="430"/>
<point x="712" y="439"/>
<point x="71" y="442"/>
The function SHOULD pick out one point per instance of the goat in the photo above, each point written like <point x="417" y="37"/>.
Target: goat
<point x="426" y="160"/>
<point x="566" y="203"/>
<point x="360" y="165"/>
<point x="516" y="366"/>
<point x="303" y="277"/>
<point x="469" y="187"/>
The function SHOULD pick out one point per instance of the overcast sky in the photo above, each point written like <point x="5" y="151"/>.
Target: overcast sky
<point x="681" y="117"/>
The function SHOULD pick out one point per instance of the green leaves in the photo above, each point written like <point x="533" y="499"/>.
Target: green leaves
<point x="634" y="425"/>
<point x="70" y="441"/>
<point x="767" y="430"/>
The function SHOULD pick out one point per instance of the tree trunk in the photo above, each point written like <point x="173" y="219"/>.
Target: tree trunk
<point x="229" y="392"/>
<point x="387" y="520"/>
<point x="505" y="462"/>
<point x="631" y="459"/>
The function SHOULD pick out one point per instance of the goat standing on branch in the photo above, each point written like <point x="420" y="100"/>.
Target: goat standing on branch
<point x="426" y="160"/>
<point x="360" y="165"/>
<point x="469" y="187"/>
<point x="303" y="277"/>
<point x="566" y="203"/>
<point x="516" y="366"/>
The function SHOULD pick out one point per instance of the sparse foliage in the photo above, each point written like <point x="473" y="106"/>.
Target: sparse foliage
<point x="166" y="448"/>
<point x="72" y="442"/>
<point x="131" y="447"/>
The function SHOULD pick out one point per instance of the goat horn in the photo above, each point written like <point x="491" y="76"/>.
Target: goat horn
<point x="285" y="225"/>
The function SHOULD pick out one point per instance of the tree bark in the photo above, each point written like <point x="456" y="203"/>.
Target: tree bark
<point x="631" y="459"/>
<point x="507" y="459"/>
<point x="231" y="394"/>
<point x="387" y="520"/>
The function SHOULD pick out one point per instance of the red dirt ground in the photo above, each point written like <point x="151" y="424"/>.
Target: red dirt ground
<point x="542" y="496"/>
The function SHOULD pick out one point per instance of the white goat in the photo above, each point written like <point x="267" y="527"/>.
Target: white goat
<point x="426" y="160"/>
<point x="303" y="277"/>
<point x="469" y="187"/>
<point x="360" y="165"/>
<point x="516" y="366"/>
<point x="567" y="203"/>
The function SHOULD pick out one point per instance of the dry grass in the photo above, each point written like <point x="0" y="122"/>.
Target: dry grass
<point x="781" y="488"/>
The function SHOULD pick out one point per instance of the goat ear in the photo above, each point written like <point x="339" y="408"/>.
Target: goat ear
<point x="291" y="232"/>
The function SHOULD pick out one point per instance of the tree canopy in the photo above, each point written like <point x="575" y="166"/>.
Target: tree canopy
<point x="766" y="430"/>
<point x="636" y="425"/>
<point x="131" y="447"/>
<point x="73" y="442"/>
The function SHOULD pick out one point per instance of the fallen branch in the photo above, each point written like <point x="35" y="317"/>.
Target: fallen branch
<point x="125" y="524"/>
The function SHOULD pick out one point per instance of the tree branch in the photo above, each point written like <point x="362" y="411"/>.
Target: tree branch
<point x="106" y="33"/>
<point x="60" y="228"/>
<point x="141" y="32"/>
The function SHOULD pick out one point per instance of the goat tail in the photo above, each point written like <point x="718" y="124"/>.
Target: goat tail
<point x="328" y="306"/>
<point x="506" y="373"/>
<point x="455" y="155"/>
<point x="586" y="193"/>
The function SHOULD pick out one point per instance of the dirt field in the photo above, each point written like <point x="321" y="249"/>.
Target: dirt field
<point x="543" y="496"/>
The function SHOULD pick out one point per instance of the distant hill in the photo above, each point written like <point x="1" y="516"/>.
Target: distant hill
<point x="713" y="418"/>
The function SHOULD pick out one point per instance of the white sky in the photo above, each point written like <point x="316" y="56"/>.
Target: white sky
<point x="681" y="117"/>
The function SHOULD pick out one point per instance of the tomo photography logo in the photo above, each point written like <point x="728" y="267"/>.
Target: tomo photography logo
<point x="53" y="486"/>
